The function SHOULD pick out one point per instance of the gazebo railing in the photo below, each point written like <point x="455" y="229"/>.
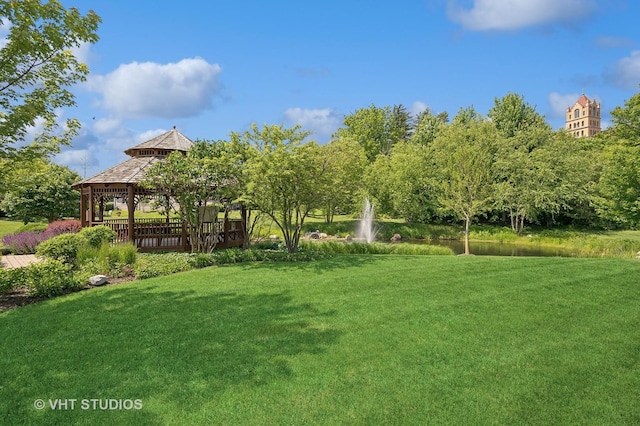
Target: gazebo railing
<point x="172" y="234"/>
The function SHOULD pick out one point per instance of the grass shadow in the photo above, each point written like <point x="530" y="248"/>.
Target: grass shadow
<point x="168" y="348"/>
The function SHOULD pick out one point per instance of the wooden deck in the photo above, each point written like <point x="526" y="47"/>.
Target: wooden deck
<point x="172" y="235"/>
<point x="11" y="261"/>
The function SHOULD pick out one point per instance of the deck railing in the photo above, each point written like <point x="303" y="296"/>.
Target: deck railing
<point x="172" y="234"/>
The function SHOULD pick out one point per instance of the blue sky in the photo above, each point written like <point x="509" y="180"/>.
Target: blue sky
<point x="212" y="67"/>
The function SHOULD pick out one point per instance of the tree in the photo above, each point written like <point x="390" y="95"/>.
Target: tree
<point x="37" y="67"/>
<point x="201" y="180"/>
<point x="620" y="180"/>
<point x="345" y="163"/>
<point x="626" y="121"/>
<point x="463" y="156"/>
<point x="467" y="116"/>
<point x="512" y="116"/>
<point x="284" y="177"/>
<point x="620" y="185"/>
<point x="427" y="127"/>
<point x="400" y="124"/>
<point x="42" y="192"/>
<point x="377" y="129"/>
<point x="412" y="182"/>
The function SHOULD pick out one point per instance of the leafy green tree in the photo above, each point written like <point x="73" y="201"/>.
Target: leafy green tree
<point x="377" y="129"/>
<point x="620" y="185"/>
<point x="42" y="192"/>
<point x="206" y="177"/>
<point x="412" y="182"/>
<point x="345" y="163"/>
<point x="284" y="177"/>
<point x="37" y="67"/>
<point x="626" y="121"/>
<point x="400" y="124"/>
<point x="512" y="116"/>
<point x="467" y="116"/>
<point x="368" y="127"/>
<point x="463" y="156"/>
<point x="427" y="127"/>
<point x="378" y="186"/>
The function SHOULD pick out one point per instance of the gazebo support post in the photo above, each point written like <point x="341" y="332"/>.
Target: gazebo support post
<point x="130" y="211"/>
<point x="91" y="206"/>
<point x="101" y="209"/>
<point x="83" y="208"/>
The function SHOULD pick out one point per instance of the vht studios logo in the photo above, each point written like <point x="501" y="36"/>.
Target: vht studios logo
<point x="88" y="404"/>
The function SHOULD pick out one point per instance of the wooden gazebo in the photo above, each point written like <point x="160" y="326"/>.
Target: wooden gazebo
<point x="122" y="181"/>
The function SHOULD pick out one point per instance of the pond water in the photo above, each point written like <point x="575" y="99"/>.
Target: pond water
<point x="501" y="249"/>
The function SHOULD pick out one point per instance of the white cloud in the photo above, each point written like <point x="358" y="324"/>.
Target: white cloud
<point x="147" y="89"/>
<point x="417" y="107"/>
<point x="105" y="126"/>
<point x="76" y="158"/>
<point x="323" y="121"/>
<point x="82" y="52"/>
<point x="516" y="14"/>
<point x="626" y="72"/>
<point x="559" y="103"/>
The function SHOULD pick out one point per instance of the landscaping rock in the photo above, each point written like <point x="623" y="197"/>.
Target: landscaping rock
<point x="396" y="238"/>
<point x="98" y="280"/>
<point x="348" y="238"/>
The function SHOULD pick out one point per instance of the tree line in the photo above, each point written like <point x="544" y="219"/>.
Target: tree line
<point x="508" y="167"/>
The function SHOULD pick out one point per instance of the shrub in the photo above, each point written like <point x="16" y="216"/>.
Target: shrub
<point x="24" y="242"/>
<point x="338" y="247"/>
<point x="112" y="260"/>
<point x="98" y="235"/>
<point x="63" y="227"/>
<point x="10" y="279"/>
<point x="63" y="247"/>
<point x="202" y="260"/>
<point x="28" y="237"/>
<point x="50" y="278"/>
<point x="156" y="264"/>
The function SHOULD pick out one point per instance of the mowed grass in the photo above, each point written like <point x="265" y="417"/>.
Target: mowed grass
<point x="8" y="226"/>
<point x="353" y="340"/>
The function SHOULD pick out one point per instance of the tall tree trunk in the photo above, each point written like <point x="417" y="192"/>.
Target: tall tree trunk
<point x="466" y="236"/>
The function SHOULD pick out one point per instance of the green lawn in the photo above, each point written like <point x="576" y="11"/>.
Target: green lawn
<point x="364" y="340"/>
<point x="8" y="226"/>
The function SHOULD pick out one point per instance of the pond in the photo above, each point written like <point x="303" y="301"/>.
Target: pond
<point x="502" y="249"/>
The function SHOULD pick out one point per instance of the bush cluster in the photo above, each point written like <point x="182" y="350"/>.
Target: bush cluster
<point x="43" y="279"/>
<point x="10" y="279"/>
<point x="65" y="247"/>
<point x="339" y="247"/>
<point x="27" y="238"/>
<point x="115" y="261"/>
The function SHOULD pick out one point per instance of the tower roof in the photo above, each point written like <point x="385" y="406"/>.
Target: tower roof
<point x="583" y="100"/>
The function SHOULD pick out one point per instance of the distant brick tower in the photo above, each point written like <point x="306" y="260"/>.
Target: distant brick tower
<point x="583" y="118"/>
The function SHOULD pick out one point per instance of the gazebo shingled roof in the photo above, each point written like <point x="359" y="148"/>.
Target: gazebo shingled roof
<point x="129" y="171"/>
<point x="171" y="141"/>
<point x="143" y="155"/>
